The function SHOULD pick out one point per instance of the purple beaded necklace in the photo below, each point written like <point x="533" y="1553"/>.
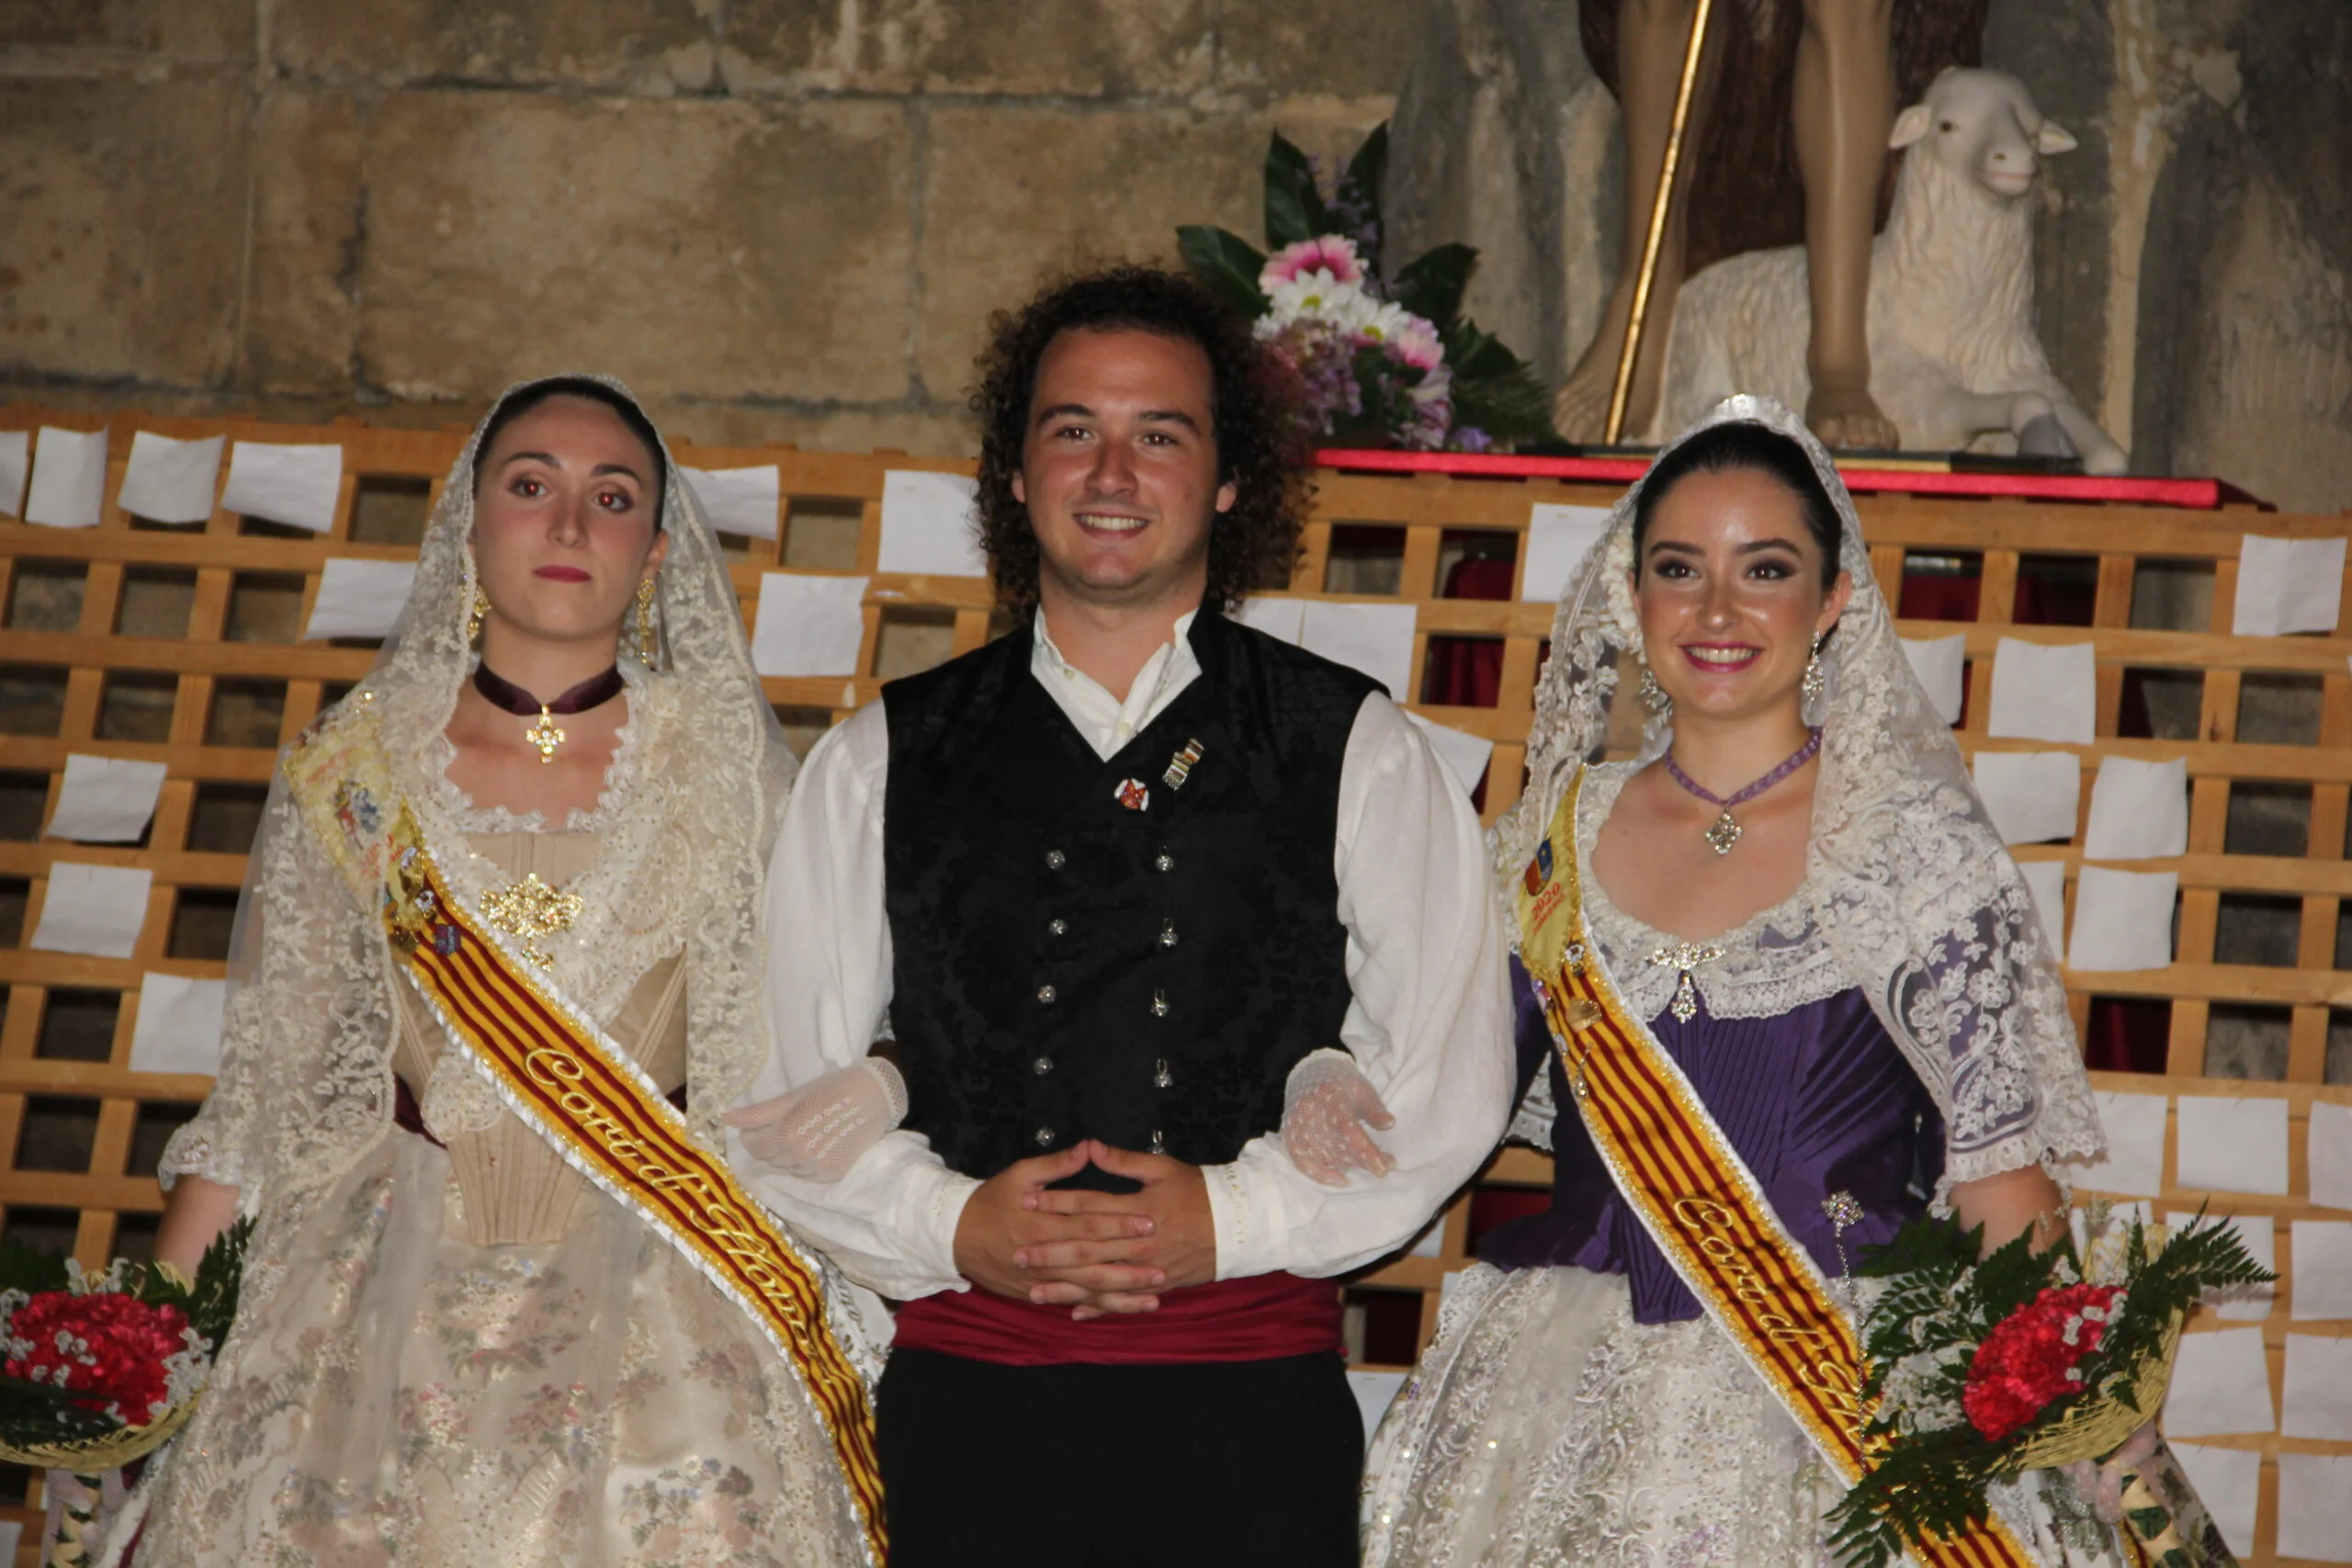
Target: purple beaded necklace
<point x="1726" y="832"/>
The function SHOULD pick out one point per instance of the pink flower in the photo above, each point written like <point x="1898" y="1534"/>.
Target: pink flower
<point x="1325" y="252"/>
<point x="1416" y="343"/>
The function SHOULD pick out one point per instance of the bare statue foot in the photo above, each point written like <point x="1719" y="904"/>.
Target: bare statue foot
<point x="1580" y="407"/>
<point x="1846" y="419"/>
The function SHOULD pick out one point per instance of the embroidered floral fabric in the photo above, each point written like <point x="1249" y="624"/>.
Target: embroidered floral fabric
<point x="1908" y="880"/>
<point x="1546" y="1428"/>
<point x="392" y="1391"/>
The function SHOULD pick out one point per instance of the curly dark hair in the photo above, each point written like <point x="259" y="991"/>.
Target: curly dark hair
<point x="1254" y="545"/>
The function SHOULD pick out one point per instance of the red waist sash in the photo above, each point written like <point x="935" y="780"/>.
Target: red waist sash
<point x="1256" y="1319"/>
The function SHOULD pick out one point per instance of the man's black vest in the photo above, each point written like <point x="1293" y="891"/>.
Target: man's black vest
<point x="1136" y="949"/>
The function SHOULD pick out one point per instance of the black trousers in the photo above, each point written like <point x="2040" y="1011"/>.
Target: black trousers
<point x="1232" y="1464"/>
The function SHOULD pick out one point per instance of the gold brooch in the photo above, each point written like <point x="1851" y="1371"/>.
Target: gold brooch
<point x="545" y="734"/>
<point x="531" y="909"/>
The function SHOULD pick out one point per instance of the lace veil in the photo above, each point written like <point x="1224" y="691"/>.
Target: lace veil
<point x="1907" y="876"/>
<point x="687" y="819"/>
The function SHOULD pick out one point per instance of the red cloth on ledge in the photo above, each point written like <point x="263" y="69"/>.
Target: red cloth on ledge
<point x="1257" y="1319"/>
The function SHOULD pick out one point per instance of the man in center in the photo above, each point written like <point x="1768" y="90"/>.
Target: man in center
<point x="1124" y="886"/>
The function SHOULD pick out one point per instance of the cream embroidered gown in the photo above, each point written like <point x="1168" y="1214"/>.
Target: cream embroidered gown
<point x="477" y="1357"/>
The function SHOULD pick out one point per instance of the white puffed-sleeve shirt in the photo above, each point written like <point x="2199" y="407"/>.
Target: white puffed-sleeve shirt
<point x="1429" y="1024"/>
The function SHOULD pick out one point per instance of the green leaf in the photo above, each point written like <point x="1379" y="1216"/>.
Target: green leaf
<point x="1294" y="208"/>
<point x="1359" y="192"/>
<point x="1367" y="169"/>
<point x="1494" y="389"/>
<point x="212" y="1304"/>
<point x="1431" y="284"/>
<point x="32" y="1269"/>
<point x="1227" y="265"/>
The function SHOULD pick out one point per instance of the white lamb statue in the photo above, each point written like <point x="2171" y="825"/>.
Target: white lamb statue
<point x="1953" y="356"/>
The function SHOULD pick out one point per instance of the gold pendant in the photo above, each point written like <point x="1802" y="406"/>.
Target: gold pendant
<point x="531" y="909"/>
<point x="547" y="735"/>
<point x="1724" y="833"/>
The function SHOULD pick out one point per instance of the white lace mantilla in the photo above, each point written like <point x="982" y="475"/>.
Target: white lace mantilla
<point x="1774" y="962"/>
<point x="299" y="1116"/>
<point x="1906" y="880"/>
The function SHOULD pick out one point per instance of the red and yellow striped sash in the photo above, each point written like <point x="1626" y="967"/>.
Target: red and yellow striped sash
<point x="1698" y="1201"/>
<point x="575" y="1089"/>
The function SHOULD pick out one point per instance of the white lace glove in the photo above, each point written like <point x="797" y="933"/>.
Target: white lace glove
<point x="2099" y="1483"/>
<point x="1327" y="1105"/>
<point x="816" y="1131"/>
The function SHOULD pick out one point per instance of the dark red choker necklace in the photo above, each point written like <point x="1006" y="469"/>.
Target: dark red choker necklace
<point x="544" y="733"/>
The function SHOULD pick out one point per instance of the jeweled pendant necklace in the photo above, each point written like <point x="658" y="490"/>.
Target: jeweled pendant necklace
<point x="1725" y="830"/>
<point x="545" y="733"/>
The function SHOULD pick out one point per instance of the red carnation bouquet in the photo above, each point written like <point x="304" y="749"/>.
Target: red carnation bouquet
<point x="1983" y="1371"/>
<point x="101" y="1368"/>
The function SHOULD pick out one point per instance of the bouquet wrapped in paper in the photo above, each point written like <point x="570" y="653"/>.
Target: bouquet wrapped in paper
<point x="2054" y="1362"/>
<point x="103" y="1367"/>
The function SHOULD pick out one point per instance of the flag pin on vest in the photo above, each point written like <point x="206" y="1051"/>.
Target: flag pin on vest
<point x="1132" y="794"/>
<point x="1180" y="766"/>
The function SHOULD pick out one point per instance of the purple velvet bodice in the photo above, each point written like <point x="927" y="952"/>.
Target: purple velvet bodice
<point x="1815" y="1100"/>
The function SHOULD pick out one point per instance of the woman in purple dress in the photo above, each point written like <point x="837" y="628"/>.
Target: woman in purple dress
<point x="1795" y="887"/>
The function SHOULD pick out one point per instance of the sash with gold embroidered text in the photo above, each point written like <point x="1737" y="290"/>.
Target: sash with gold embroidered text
<point x="575" y="1087"/>
<point x="1697" y="1199"/>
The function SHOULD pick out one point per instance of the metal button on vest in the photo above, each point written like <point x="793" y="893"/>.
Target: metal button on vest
<point x="1042" y="1066"/>
<point x="1165" y="861"/>
<point x="1159" y="1004"/>
<point x="1159" y="1143"/>
<point x="1057" y="928"/>
<point x="1163" y="1078"/>
<point x="1044" y="1136"/>
<point x="1054" y="859"/>
<point x="1168" y="934"/>
<point x="1046" y="993"/>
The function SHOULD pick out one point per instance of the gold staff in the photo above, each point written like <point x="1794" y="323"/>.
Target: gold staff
<point x="1624" y="389"/>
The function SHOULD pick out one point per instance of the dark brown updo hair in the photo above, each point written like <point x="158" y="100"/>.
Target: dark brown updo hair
<point x="633" y="418"/>
<point x="1744" y="443"/>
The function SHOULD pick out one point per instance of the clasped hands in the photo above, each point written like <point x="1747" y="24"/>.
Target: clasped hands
<point x="1096" y="1253"/>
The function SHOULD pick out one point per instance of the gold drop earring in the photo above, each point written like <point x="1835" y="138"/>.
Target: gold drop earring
<point x="473" y="619"/>
<point x="649" y="646"/>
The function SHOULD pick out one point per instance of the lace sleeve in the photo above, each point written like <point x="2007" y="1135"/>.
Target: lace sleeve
<point x="1986" y="1000"/>
<point x="303" y="989"/>
<point x="1532" y="1122"/>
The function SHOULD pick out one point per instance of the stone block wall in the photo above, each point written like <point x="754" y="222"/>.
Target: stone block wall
<point x="780" y="219"/>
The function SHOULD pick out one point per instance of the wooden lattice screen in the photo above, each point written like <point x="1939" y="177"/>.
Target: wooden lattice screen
<point x="180" y="645"/>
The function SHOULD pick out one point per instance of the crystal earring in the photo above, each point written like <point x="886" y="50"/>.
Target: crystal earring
<point x="648" y="646"/>
<point x="1816" y="679"/>
<point x="473" y="618"/>
<point x="1654" y="695"/>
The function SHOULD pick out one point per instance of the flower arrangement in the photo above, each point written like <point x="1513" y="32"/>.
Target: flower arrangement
<point x="1982" y="1371"/>
<point x="1384" y="358"/>
<point x="99" y="1367"/>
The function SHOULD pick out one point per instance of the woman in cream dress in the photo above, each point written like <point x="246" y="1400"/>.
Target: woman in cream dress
<point x="452" y="1347"/>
